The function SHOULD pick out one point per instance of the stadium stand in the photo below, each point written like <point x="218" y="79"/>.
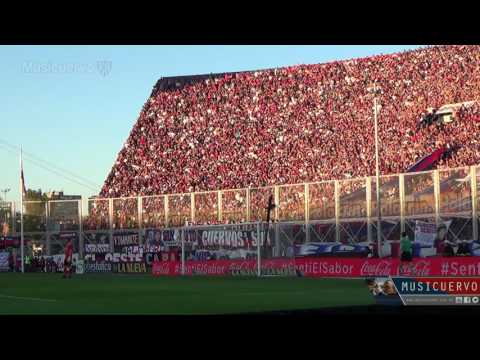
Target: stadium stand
<point x="301" y="123"/>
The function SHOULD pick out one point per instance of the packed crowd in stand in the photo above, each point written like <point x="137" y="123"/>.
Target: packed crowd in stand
<point x="290" y="125"/>
<point x="296" y="124"/>
<point x="305" y="123"/>
<point x="300" y="123"/>
<point x="462" y="136"/>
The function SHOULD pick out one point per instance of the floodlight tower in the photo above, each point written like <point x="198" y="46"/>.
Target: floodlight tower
<point x="5" y="191"/>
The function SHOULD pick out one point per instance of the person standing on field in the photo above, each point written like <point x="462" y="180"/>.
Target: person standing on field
<point x="67" y="265"/>
<point x="405" y="247"/>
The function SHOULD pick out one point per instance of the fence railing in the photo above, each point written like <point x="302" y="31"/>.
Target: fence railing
<point x="341" y="210"/>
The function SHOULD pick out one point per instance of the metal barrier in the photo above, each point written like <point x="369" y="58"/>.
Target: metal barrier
<point x="340" y="210"/>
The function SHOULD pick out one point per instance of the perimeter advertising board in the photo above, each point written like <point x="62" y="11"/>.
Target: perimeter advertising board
<point x="326" y="267"/>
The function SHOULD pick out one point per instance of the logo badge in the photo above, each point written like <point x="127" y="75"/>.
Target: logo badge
<point x="104" y="67"/>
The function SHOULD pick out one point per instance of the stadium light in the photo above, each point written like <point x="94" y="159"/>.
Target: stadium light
<point x="5" y="191"/>
<point x="377" y="172"/>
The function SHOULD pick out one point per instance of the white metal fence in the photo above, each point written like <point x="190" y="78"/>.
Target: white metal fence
<point x="342" y="210"/>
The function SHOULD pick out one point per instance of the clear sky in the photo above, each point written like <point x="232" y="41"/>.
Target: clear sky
<point x="67" y="107"/>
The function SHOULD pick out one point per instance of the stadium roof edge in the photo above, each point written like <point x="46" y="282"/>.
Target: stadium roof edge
<point x="177" y="82"/>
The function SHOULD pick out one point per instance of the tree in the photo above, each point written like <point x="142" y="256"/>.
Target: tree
<point x="35" y="195"/>
<point x="5" y="218"/>
<point x="34" y="216"/>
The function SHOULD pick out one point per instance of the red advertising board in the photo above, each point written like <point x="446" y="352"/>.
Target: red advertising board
<point x="326" y="267"/>
<point x="11" y="241"/>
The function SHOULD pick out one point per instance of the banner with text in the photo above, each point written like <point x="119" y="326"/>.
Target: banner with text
<point x="131" y="268"/>
<point x="426" y="232"/>
<point x="4" y="265"/>
<point x="326" y="267"/>
<point x="97" y="267"/>
<point x="97" y="248"/>
<point x="120" y="240"/>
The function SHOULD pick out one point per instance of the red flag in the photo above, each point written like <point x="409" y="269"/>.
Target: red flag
<point x="24" y="190"/>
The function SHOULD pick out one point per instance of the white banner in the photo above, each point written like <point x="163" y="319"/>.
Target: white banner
<point x="97" y="248"/>
<point x="79" y="267"/>
<point x="426" y="233"/>
<point x="123" y="239"/>
<point x="118" y="257"/>
<point x="4" y="261"/>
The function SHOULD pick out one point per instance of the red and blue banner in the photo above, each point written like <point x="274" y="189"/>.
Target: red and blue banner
<point x="427" y="162"/>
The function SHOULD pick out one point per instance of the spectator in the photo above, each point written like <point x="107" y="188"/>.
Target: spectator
<point x="11" y="262"/>
<point x="405" y="247"/>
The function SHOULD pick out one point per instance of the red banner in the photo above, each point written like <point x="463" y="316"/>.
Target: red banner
<point x="11" y="241"/>
<point x="326" y="267"/>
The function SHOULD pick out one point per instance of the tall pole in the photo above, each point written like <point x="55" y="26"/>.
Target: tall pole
<point x="379" y="224"/>
<point x="183" y="248"/>
<point x="271" y="205"/>
<point x="21" y="211"/>
<point x="259" y="265"/>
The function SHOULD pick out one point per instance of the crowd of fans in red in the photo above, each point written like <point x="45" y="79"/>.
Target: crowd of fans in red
<point x="298" y="124"/>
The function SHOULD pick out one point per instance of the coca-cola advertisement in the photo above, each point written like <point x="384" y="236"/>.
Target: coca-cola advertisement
<point x="224" y="267"/>
<point x="326" y="267"/>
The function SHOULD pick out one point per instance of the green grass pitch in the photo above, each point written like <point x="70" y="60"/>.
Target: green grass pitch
<point x="39" y="293"/>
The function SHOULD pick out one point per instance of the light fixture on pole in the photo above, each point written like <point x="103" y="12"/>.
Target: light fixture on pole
<point x="5" y="191"/>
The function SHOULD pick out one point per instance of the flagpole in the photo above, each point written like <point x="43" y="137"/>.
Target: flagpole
<point x="21" y="209"/>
